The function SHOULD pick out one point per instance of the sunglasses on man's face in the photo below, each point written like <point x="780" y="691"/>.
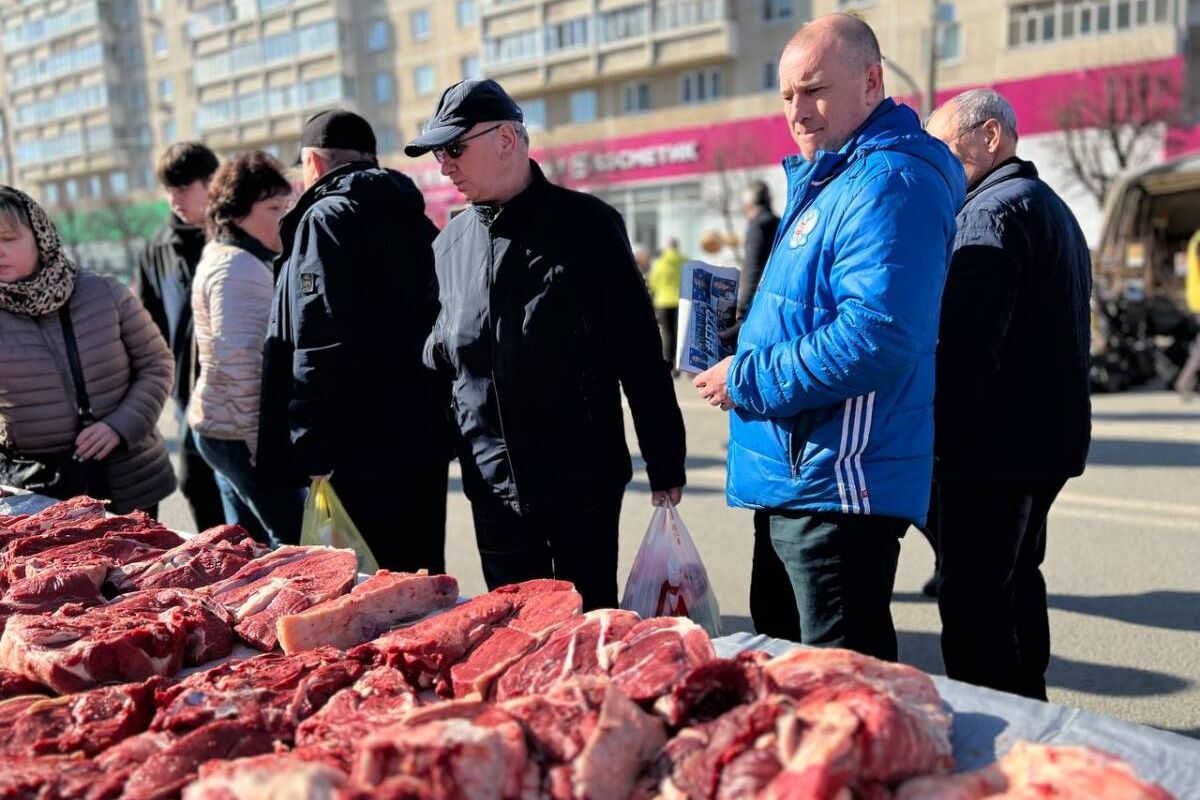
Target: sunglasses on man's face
<point x="455" y="149"/>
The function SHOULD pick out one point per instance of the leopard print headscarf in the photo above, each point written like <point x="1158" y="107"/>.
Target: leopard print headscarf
<point x="50" y="287"/>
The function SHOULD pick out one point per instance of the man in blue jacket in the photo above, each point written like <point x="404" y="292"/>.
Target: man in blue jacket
<point x="1013" y="404"/>
<point x="831" y="388"/>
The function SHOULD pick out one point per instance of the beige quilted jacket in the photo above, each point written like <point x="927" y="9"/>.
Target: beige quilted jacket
<point x="231" y="305"/>
<point x="128" y="370"/>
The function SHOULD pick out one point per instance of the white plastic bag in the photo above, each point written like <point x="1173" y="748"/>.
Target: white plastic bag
<point x="668" y="578"/>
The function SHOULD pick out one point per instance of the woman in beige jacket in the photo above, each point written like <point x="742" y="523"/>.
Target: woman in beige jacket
<point x="47" y="442"/>
<point x="231" y="304"/>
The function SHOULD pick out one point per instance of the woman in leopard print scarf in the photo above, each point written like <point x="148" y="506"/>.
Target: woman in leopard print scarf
<point x="53" y="280"/>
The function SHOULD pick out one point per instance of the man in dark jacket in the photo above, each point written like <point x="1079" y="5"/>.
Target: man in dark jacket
<point x="1013" y="415"/>
<point x="344" y="391"/>
<point x="761" y="225"/>
<point x="164" y="285"/>
<point x="544" y="320"/>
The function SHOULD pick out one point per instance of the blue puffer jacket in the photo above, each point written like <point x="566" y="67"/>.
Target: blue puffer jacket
<point x="834" y="372"/>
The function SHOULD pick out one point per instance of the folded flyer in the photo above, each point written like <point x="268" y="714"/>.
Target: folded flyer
<point x="707" y="305"/>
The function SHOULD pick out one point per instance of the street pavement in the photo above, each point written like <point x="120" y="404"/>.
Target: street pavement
<point x="1121" y="566"/>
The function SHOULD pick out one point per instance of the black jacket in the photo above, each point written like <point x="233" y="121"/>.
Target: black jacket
<point x="760" y="237"/>
<point x="1013" y="400"/>
<point x="544" y="320"/>
<point x="344" y="390"/>
<point x="164" y="285"/>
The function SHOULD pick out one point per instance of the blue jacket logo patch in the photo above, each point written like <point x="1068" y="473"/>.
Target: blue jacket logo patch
<point x="804" y="227"/>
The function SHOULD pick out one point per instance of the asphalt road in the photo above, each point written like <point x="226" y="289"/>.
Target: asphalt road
<point x="1122" y="562"/>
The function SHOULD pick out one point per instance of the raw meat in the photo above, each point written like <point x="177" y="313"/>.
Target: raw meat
<point x="480" y="755"/>
<point x="14" y="684"/>
<point x="137" y="526"/>
<point x="380" y="698"/>
<point x="541" y="606"/>
<point x="132" y="638"/>
<point x="121" y="760"/>
<point x="427" y="649"/>
<point x="1039" y="772"/>
<point x="65" y="512"/>
<point x="163" y="774"/>
<point x="277" y="777"/>
<point x="271" y="692"/>
<point x="51" y="778"/>
<point x="583" y="646"/>
<point x="95" y="557"/>
<point x="287" y="581"/>
<point x="47" y="591"/>
<point x="593" y="738"/>
<point x="373" y="607"/>
<point x="85" y="723"/>
<point x="206" y="558"/>
<point x="656" y="654"/>
<point x="713" y="688"/>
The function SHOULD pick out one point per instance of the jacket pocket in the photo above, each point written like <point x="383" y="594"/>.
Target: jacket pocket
<point x="801" y="428"/>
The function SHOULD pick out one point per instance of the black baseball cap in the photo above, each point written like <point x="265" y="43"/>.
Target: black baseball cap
<point x="463" y="105"/>
<point x="338" y="129"/>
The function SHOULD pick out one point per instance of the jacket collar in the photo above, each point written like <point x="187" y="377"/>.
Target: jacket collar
<point x="324" y="185"/>
<point x="828" y="164"/>
<point x="1007" y="170"/>
<point x="245" y="241"/>
<point x="520" y="209"/>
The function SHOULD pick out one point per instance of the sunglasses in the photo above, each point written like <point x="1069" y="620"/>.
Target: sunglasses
<point x="455" y="149"/>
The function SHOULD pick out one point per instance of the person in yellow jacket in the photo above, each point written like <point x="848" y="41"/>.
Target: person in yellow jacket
<point x="1186" y="383"/>
<point x="663" y="280"/>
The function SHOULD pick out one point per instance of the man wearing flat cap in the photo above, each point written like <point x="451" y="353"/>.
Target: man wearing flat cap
<point x="544" y="321"/>
<point x="344" y="391"/>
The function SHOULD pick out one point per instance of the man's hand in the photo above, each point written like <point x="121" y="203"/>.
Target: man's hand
<point x="713" y="386"/>
<point x="96" y="441"/>
<point x="672" y="496"/>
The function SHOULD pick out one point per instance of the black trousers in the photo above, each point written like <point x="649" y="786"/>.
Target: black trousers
<point x="772" y="598"/>
<point x="842" y="569"/>
<point x="570" y="541"/>
<point x="199" y="485"/>
<point x="668" y="328"/>
<point x="403" y="520"/>
<point x="992" y="599"/>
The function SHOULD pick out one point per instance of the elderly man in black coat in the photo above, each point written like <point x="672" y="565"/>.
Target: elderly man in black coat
<point x="1013" y="414"/>
<point x="544" y="321"/>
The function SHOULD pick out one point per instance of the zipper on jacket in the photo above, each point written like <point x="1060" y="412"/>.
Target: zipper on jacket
<point x="492" y="363"/>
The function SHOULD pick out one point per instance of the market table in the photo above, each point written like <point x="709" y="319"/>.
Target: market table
<point x="986" y="722"/>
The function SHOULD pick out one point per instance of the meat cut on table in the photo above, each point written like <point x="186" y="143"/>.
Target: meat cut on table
<point x="513" y="694"/>
<point x="373" y="607"/>
<point x="284" y="582"/>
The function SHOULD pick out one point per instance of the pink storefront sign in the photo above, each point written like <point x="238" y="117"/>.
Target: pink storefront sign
<point x="1039" y="103"/>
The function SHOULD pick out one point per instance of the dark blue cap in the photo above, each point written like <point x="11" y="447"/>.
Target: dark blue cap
<point x="462" y="106"/>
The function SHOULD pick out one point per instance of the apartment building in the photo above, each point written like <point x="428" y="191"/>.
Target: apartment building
<point x="76" y="124"/>
<point x="666" y="108"/>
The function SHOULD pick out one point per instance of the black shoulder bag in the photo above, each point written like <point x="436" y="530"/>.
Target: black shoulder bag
<point x="60" y="475"/>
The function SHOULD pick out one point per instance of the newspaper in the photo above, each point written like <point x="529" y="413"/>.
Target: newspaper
<point x="707" y="305"/>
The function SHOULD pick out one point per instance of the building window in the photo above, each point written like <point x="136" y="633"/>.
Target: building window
<point x="160" y="45"/>
<point x="535" y="114"/>
<point x="420" y="25"/>
<point x="568" y="35"/>
<point x="72" y="188"/>
<point x="635" y="98"/>
<point x="166" y="90"/>
<point x="770" y="76"/>
<point x="468" y="14"/>
<point x="118" y="182"/>
<point x="583" y="105"/>
<point x="513" y="47"/>
<point x="377" y="36"/>
<point x="700" y="86"/>
<point x="672" y="14"/>
<point x="470" y="68"/>
<point x="777" y="10"/>
<point x="50" y="191"/>
<point x="383" y="87"/>
<point x="423" y="80"/>
<point x="386" y="135"/>
<point x="949" y="41"/>
<point x="1056" y="20"/>
<point x="624" y="23"/>
<point x="168" y="132"/>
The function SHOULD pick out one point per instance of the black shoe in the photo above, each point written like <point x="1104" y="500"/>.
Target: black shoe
<point x="930" y="589"/>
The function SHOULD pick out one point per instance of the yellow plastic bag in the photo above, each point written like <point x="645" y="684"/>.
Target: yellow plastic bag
<point x="327" y="523"/>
